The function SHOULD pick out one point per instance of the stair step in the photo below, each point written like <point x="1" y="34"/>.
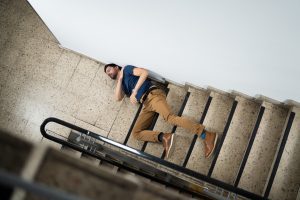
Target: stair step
<point x="115" y="169"/>
<point x="175" y="99"/>
<point x="71" y="151"/>
<point x="91" y="159"/>
<point x="59" y="129"/>
<point x="51" y="143"/>
<point x="182" y="139"/>
<point x="106" y="165"/>
<point x="134" y="143"/>
<point x="236" y="140"/>
<point x="287" y="179"/>
<point x="123" y="121"/>
<point x="91" y="127"/>
<point x="153" y="190"/>
<point x="124" y="171"/>
<point x="84" y="180"/>
<point x="144" y="179"/>
<point x="215" y="120"/>
<point x="264" y="148"/>
<point x="186" y="194"/>
<point x="13" y="152"/>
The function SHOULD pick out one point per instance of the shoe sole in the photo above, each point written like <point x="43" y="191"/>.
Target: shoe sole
<point x="167" y="153"/>
<point x="215" y="142"/>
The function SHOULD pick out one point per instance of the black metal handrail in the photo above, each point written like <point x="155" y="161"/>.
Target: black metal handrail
<point x="144" y="155"/>
<point x="134" y="165"/>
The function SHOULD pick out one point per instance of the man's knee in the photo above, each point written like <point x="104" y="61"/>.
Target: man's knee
<point x="169" y="117"/>
<point x="136" y="134"/>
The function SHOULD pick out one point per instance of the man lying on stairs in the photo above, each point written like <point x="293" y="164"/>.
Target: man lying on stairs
<point x="132" y="81"/>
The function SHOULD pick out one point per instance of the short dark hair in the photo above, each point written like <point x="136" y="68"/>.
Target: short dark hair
<point x="111" y="65"/>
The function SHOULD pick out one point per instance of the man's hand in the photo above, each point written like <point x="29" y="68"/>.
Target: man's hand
<point x="133" y="99"/>
<point x="142" y="74"/>
<point x="121" y="75"/>
<point x="119" y="92"/>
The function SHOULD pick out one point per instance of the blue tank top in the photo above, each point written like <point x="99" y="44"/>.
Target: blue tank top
<point x="130" y="80"/>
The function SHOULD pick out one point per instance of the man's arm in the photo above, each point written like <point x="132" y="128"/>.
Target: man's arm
<point x="119" y="94"/>
<point x="143" y="74"/>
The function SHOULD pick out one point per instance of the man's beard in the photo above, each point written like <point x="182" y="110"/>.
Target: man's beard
<point x="114" y="77"/>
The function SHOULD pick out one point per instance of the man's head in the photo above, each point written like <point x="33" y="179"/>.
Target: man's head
<point x="112" y="70"/>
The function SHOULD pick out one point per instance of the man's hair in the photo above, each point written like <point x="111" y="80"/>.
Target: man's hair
<point x="111" y="65"/>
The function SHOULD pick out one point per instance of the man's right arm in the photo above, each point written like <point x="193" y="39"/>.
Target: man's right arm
<point x="119" y="94"/>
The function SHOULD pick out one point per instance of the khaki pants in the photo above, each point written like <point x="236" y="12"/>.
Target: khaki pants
<point x="156" y="103"/>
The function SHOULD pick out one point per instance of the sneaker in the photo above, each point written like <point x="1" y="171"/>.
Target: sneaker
<point x="167" y="142"/>
<point x="210" y="142"/>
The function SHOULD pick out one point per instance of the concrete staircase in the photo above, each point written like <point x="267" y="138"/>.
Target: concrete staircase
<point x="236" y="118"/>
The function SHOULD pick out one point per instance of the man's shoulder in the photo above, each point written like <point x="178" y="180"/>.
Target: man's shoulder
<point x="129" y="66"/>
<point x="128" y="69"/>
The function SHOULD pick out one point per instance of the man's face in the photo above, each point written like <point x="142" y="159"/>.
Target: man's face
<point x="112" y="72"/>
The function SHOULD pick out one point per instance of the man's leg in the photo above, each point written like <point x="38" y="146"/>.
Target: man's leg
<point x="140" y="131"/>
<point x="158" y="103"/>
<point x="143" y="122"/>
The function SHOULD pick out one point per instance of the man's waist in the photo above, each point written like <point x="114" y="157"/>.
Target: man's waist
<point x="145" y="95"/>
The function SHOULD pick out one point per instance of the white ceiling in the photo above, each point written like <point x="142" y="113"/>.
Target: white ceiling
<point x="249" y="46"/>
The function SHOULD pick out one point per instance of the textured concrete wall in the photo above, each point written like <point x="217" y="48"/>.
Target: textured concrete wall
<point x="39" y="79"/>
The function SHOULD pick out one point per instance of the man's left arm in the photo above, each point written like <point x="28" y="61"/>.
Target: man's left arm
<point x="143" y="74"/>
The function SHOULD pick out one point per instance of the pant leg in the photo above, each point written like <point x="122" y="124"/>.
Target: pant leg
<point x="143" y="122"/>
<point x="157" y="102"/>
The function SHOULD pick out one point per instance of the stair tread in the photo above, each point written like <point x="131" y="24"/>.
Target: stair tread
<point x="236" y="140"/>
<point x="183" y="138"/>
<point x="51" y="143"/>
<point x="287" y="179"/>
<point x="215" y="120"/>
<point x="91" y="159"/>
<point x="91" y="128"/>
<point x="81" y="179"/>
<point x="263" y="149"/>
<point x="71" y="151"/>
<point x="106" y="109"/>
<point x="59" y="129"/>
<point x="123" y="121"/>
